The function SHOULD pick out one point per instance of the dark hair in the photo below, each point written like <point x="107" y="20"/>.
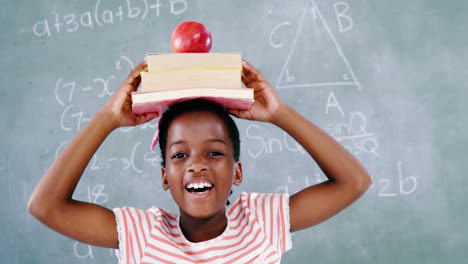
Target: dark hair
<point x="197" y="105"/>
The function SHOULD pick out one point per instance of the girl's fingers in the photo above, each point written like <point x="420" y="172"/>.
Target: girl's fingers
<point x="245" y="81"/>
<point x="250" y="72"/>
<point x="234" y="112"/>
<point x="247" y="71"/>
<point x="146" y="117"/>
<point x="134" y="78"/>
<point x="244" y="114"/>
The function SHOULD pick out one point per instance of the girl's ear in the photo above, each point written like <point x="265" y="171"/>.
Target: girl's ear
<point x="237" y="173"/>
<point x="165" y="182"/>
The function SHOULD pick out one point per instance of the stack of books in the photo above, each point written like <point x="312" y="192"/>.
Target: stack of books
<point x="176" y="77"/>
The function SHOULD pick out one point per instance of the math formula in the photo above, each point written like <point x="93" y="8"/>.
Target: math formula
<point x="97" y="16"/>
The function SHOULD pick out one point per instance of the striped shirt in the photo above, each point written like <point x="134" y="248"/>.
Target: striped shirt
<point x="257" y="232"/>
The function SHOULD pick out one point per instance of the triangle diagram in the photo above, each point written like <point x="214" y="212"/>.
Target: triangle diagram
<point x="315" y="58"/>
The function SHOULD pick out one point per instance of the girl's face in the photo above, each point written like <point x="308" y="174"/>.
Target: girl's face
<point x="200" y="168"/>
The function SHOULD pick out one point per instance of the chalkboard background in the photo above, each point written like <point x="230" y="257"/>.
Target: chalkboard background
<point x="385" y="78"/>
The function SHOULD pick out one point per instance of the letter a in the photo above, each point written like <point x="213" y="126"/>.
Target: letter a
<point x="332" y="102"/>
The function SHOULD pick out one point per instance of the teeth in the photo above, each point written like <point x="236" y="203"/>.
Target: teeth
<point x="199" y="185"/>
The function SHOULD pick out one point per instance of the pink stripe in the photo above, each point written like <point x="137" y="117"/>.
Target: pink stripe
<point x="160" y="219"/>
<point x="200" y="87"/>
<point x="240" y="221"/>
<point x="272" y="253"/>
<point x="141" y="225"/>
<point x="240" y="232"/>
<point x="190" y="253"/>
<point x="127" y="235"/>
<point x="256" y="207"/>
<point x="276" y="260"/>
<point x="148" y="222"/>
<point x="168" y="215"/>
<point x="131" y="245"/>
<point x="175" y="255"/>
<point x="278" y="231"/>
<point x="157" y="259"/>
<point x="250" y="250"/>
<point x="263" y="212"/>
<point x="234" y="206"/>
<point x="230" y="253"/>
<point x="167" y="223"/>
<point x="237" y="216"/>
<point x="283" y="225"/>
<point x="272" y="237"/>
<point x="135" y="231"/>
<point x="175" y="244"/>
<point x="167" y="232"/>
<point x="166" y="241"/>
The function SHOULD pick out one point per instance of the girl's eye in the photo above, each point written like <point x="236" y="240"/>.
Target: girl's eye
<point x="179" y="155"/>
<point x="215" y="153"/>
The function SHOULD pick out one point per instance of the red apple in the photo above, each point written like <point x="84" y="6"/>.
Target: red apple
<point x="190" y="37"/>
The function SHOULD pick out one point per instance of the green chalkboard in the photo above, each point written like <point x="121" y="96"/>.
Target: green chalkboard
<point x="386" y="78"/>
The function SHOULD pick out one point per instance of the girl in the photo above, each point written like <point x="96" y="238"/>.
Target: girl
<point x="200" y="150"/>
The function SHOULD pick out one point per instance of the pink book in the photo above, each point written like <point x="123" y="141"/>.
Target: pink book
<point x="159" y="101"/>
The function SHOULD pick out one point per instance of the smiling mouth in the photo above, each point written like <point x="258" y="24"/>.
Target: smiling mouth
<point x="199" y="188"/>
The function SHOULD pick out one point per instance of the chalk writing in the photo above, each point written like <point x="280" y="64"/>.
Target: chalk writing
<point x="269" y="145"/>
<point x="82" y="254"/>
<point x="312" y="12"/>
<point x="126" y="163"/>
<point x="354" y="136"/>
<point x="332" y="102"/>
<point x="72" y="118"/>
<point x="352" y="133"/>
<point x="65" y="91"/>
<point x="405" y="185"/>
<point x="273" y="43"/>
<point x="345" y="23"/>
<point x="385" y="185"/>
<point x="90" y="19"/>
<point x="69" y="87"/>
<point x="97" y="192"/>
<point x="127" y="60"/>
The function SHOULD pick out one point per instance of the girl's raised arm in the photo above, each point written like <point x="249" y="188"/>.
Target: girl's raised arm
<point x="347" y="178"/>
<point x="51" y="201"/>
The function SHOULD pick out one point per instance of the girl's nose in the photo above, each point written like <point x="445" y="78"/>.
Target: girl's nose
<point x="197" y="164"/>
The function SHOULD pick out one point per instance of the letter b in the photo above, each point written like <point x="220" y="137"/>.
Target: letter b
<point x="340" y="9"/>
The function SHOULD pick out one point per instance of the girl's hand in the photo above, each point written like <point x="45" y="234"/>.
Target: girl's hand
<point x="119" y="105"/>
<point x="267" y="103"/>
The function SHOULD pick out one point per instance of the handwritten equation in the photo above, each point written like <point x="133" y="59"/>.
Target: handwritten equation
<point x="398" y="184"/>
<point x="353" y="132"/>
<point x="99" y="17"/>
<point x="73" y="119"/>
